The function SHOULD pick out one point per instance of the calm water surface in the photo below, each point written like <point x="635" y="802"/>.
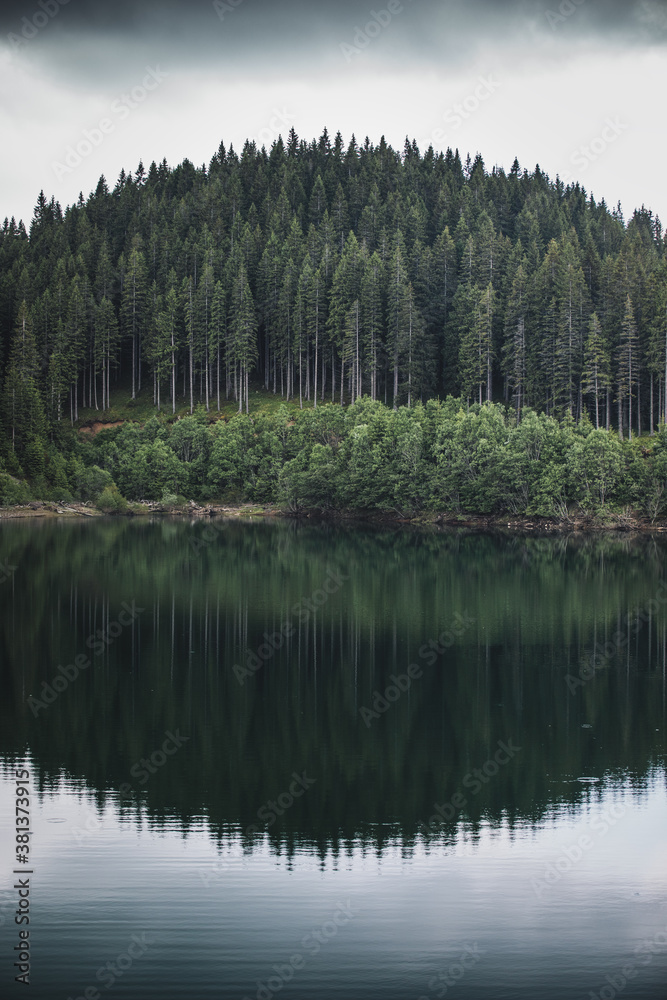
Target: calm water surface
<point x="316" y="762"/>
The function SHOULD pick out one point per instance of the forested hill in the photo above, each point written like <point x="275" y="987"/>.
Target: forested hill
<point x="322" y="270"/>
<point x="324" y="273"/>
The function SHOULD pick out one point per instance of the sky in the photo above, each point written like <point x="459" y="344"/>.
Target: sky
<point x="89" y="88"/>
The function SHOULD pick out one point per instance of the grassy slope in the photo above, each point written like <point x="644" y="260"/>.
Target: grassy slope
<point x="141" y="409"/>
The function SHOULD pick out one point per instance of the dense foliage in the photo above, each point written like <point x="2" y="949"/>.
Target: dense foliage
<point x="438" y="456"/>
<point x="325" y="273"/>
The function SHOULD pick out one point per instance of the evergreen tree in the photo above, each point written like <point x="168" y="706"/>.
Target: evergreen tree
<point x="596" y="376"/>
<point x="106" y="347"/>
<point x="373" y="314"/>
<point x="242" y="340"/>
<point x="476" y="353"/>
<point x="397" y="296"/>
<point x="23" y="407"/>
<point x="514" y="350"/>
<point x="133" y="308"/>
<point x="218" y="333"/>
<point x="626" y="367"/>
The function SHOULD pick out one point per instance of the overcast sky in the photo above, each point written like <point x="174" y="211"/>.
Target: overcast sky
<point x="87" y="88"/>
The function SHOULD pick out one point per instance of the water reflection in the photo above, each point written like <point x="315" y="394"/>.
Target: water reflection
<point x="305" y="686"/>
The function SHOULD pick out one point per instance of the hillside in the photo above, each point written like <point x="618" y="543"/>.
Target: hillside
<point x="315" y="272"/>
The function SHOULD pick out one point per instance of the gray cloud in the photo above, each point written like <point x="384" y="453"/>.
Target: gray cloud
<point x="127" y="15"/>
<point x="88" y="39"/>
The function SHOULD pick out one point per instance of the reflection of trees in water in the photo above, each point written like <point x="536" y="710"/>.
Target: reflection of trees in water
<point x="538" y="604"/>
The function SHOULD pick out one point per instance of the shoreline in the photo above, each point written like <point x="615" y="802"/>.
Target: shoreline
<point x="577" y="524"/>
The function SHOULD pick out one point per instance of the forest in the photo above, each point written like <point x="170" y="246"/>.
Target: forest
<point x="442" y="326"/>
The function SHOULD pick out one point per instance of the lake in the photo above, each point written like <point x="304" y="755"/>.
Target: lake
<point x="300" y="760"/>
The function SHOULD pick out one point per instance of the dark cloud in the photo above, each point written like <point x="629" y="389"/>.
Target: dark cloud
<point x="106" y="45"/>
<point x="238" y="27"/>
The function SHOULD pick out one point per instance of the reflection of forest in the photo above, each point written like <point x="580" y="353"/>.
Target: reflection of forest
<point x="534" y="608"/>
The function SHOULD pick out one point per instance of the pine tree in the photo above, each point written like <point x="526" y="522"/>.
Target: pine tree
<point x="268" y="297"/>
<point x="373" y="315"/>
<point x="24" y="410"/>
<point x="397" y="290"/>
<point x="345" y="291"/>
<point x="570" y="299"/>
<point x="627" y="366"/>
<point x="476" y="352"/>
<point x="445" y="266"/>
<point x="133" y="308"/>
<point x="107" y="340"/>
<point x="416" y="356"/>
<point x="218" y="331"/>
<point x="56" y="380"/>
<point x="315" y="324"/>
<point x="514" y="350"/>
<point x="596" y="376"/>
<point x="75" y="350"/>
<point x="350" y="349"/>
<point x="188" y="311"/>
<point x="166" y="344"/>
<point x="243" y="329"/>
<point x="203" y="321"/>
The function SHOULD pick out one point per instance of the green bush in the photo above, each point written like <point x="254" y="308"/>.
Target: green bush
<point x="92" y="482"/>
<point x="58" y="494"/>
<point x="111" y="501"/>
<point x="13" y="491"/>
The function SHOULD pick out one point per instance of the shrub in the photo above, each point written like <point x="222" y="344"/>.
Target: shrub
<point x="92" y="482"/>
<point x="111" y="501"/>
<point x="13" y="491"/>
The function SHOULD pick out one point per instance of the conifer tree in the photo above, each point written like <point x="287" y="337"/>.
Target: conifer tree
<point x="514" y="350"/>
<point x="24" y="410"/>
<point x="106" y="346"/>
<point x="373" y="313"/>
<point x="626" y="366"/>
<point x="133" y="308"/>
<point x="218" y="332"/>
<point x="397" y="290"/>
<point x="596" y="376"/>
<point x="243" y="329"/>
